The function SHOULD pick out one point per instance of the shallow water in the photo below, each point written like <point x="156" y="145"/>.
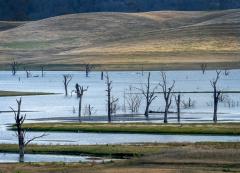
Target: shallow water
<point x="14" y="158"/>
<point x="60" y="106"/>
<point x="54" y="138"/>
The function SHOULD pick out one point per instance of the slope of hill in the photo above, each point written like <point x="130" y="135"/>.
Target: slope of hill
<point x="155" y="40"/>
<point x="39" y="9"/>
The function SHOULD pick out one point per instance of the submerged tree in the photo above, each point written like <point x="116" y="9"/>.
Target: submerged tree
<point x="178" y="104"/>
<point x="111" y="100"/>
<point x="28" y="73"/>
<point x="167" y="94"/>
<point x="133" y="100"/>
<point x="80" y="91"/>
<point x="88" y="69"/>
<point x="149" y="95"/>
<point x="42" y="71"/>
<point x="216" y="95"/>
<point x="203" y="68"/>
<point x="66" y="80"/>
<point x="21" y="133"/>
<point x="14" y="67"/>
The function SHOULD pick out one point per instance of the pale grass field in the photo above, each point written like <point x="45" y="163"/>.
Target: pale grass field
<point x="126" y="41"/>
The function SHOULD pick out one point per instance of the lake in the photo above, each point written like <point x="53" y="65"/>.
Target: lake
<point x="57" y="106"/>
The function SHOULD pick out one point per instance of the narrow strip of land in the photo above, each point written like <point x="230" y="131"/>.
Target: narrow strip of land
<point x="119" y="150"/>
<point x="18" y="93"/>
<point x="148" y="128"/>
<point x="151" y="158"/>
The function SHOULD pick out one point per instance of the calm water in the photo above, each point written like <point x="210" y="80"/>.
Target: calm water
<point x="113" y="138"/>
<point x="61" y="106"/>
<point x="13" y="158"/>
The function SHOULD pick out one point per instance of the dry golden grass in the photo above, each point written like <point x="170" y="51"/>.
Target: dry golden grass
<point x="177" y="158"/>
<point x="126" y="41"/>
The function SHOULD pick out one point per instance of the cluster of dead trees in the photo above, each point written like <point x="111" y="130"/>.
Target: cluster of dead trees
<point x="148" y="93"/>
<point x="15" y="66"/>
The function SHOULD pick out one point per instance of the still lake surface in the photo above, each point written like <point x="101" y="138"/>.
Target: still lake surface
<point x="51" y="106"/>
<point x="14" y="158"/>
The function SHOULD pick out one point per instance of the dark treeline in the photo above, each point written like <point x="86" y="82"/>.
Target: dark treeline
<point x="39" y="9"/>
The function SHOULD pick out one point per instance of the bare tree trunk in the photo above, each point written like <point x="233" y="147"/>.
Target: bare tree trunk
<point x="216" y="96"/>
<point x="109" y="103"/>
<point x="66" y="81"/>
<point x="42" y="69"/>
<point x="178" y="102"/>
<point x="102" y="75"/>
<point x="80" y="91"/>
<point x="14" y="67"/>
<point x="148" y="94"/>
<point x="19" y="119"/>
<point x="165" y="116"/>
<point x="167" y="94"/>
<point x="21" y="145"/>
<point x="80" y="108"/>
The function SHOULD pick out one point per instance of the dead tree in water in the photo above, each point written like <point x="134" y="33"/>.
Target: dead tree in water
<point x="88" y="69"/>
<point x="167" y="94"/>
<point x="216" y="95"/>
<point x="21" y="133"/>
<point x="178" y="103"/>
<point x="42" y="70"/>
<point x="133" y="101"/>
<point x="148" y="94"/>
<point x="66" y="80"/>
<point x="14" y="67"/>
<point x="111" y="100"/>
<point x="203" y="68"/>
<point x="28" y="73"/>
<point x="80" y="91"/>
<point x="102" y="74"/>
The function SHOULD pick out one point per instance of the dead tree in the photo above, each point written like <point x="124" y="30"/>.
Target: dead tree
<point x="178" y="104"/>
<point x="102" y="75"/>
<point x="216" y="95"/>
<point x="28" y="73"/>
<point x="149" y="95"/>
<point x="88" y="69"/>
<point x="114" y="107"/>
<point x="42" y="70"/>
<point x="226" y="72"/>
<point x="167" y="94"/>
<point x="14" y="67"/>
<point x="80" y="91"/>
<point x="188" y="104"/>
<point x="66" y="80"/>
<point x="111" y="100"/>
<point x="133" y="101"/>
<point x="21" y="133"/>
<point x="203" y="68"/>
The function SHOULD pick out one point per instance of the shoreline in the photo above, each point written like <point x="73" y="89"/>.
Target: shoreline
<point x="137" y="128"/>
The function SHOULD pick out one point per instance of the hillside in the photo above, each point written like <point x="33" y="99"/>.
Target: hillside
<point x="155" y="40"/>
<point x="39" y="9"/>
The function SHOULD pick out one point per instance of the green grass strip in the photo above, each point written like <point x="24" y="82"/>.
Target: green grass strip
<point x="147" y="128"/>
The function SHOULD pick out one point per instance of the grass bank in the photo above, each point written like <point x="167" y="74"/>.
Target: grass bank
<point x="155" y="158"/>
<point x="120" y="150"/>
<point x="17" y="93"/>
<point x="148" y="128"/>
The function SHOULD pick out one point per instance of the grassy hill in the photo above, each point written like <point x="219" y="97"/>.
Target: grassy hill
<point x="127" y="41"/>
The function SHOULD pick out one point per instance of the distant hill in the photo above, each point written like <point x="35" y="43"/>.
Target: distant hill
<point x="155" y="40"/>
<point x="39" y="9"/>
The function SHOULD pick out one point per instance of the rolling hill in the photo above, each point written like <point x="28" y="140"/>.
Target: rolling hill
<point x="39" y="9"/>
<point x="127" y="41"/>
